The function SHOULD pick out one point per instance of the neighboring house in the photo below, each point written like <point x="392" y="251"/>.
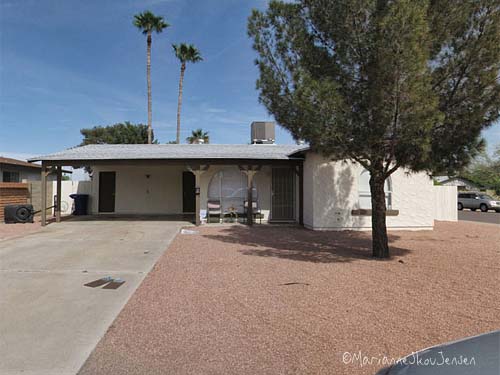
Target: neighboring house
<point x="13" y="170"/>
<point x="460" y="182"/>
<point x="290" y="184"/>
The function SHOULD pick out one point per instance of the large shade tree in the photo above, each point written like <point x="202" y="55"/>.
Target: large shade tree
<point x="121" y="133"/>
<point x="485" y="171"/>
<point x="147" y="22"/>
<point x="185" y="53"/>
<point x="388" y="84"/>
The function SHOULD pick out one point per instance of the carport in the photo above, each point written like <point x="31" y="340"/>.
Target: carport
<point x="151" y="179"/>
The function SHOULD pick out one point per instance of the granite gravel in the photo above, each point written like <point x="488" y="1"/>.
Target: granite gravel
<point x="285" y="300"/>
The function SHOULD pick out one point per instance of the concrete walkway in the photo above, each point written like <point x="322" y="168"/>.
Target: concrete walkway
<point x="49" y="321"/>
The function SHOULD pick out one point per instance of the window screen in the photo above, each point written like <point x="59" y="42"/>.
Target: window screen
<point x="230" y="187"/>
<point x="365" y="194"/>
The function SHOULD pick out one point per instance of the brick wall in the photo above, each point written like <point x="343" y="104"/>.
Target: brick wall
<point x="12" y="193"/>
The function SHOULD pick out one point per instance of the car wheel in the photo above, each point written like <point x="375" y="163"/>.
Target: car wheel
<point x="484" y="208"/>
<point x="460" y="206"/>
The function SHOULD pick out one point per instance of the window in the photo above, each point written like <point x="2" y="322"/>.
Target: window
<point x="230" y="187"/>
<point x="365" y="194"/>
<point x="10" y="176"/>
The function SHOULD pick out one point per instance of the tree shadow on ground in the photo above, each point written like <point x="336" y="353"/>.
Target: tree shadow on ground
<point x="300" y="244"/>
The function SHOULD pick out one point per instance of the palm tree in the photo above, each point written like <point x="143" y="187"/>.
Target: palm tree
<point x="198" y="136"/>
<point x="185" y="53"/>
<point x="147" y="22"/>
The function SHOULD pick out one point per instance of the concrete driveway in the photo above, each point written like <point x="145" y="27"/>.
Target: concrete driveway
<point x="50" y="321"/>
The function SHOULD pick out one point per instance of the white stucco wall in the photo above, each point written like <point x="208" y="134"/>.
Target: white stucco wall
<point x="445" y="203"/>
<point x="161" y="193"/>
<point x="331" y="193"/>
<point x="68" y="188"/>
<point x="135" y="193"/>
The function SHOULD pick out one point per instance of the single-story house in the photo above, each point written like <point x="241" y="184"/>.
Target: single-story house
<point x="14" y="170"/>
<point x="288" y="183"/>
<point x="460" y="182"/>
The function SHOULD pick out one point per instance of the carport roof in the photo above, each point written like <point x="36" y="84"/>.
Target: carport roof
<point x="104" y="152"/>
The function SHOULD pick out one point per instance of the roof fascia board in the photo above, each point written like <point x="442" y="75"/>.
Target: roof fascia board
<point x="148" y="162"/>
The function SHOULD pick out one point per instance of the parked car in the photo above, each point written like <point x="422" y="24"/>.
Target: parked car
<point x="477" y="355"/>
<point x="477" y="200"/>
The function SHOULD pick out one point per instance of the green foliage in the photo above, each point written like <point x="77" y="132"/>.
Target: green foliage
<point x="485" y="171"/>
<point x="187" y="53"/>
<point x="147" y="22"/>
<point x="387" y="83"/>
<point x="197" y="135"/>
<point x="123" y="133"/>
<point x="436" y="182"/>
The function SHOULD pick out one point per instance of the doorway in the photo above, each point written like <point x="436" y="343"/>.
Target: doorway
<point x="107" y="187"/>
<point x="283" y="195"/>
<point x="188" y="193"/>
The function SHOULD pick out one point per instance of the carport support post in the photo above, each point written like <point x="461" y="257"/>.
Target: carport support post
<point x="197" y="171"/>
<point x="58" y="192"/>
<point x="250" y="171"/>
<point x="197" y="182"/>
<point x="301" y="194"/>
<point x="43" y="182"/>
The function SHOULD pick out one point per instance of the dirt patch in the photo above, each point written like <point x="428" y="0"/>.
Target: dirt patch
<point x="271" y="300"/>
<point x="18" y="230"/>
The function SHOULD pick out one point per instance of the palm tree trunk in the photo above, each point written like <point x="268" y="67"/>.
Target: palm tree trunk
<point x="148" y="73"/>
<point x="179" y="103"/>
<point x="380" y="243"/>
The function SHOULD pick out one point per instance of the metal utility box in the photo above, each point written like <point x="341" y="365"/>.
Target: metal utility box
<point x="262" y="132"/>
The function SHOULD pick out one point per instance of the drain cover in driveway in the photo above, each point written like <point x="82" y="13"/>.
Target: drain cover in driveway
<point x="115" y="284"/>
<point x="99" y="282"/>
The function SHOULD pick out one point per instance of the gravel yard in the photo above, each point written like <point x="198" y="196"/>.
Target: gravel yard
<point x="271" y="300"/>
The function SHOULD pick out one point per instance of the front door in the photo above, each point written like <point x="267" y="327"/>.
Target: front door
<point x="107" y="185"/>
<point x="188" y="192"/>
<point x="282" y="194"/>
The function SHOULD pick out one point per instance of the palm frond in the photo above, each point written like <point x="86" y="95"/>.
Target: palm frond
<point x="148" y="22"/>
<point x="187" y="53"/>
<point x="197" y="135"/>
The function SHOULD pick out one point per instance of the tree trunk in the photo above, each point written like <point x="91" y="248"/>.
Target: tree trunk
<point x="380" y="243"/>
<point x="179" y="103"/>
<point x="148" y="73"/>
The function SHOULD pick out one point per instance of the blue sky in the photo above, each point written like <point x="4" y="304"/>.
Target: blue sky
<point x="66" y="65"/>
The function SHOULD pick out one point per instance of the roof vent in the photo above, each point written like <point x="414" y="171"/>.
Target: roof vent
<point x="262" y="132"/>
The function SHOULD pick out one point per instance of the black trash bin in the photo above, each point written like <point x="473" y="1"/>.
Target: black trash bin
<point x="81" y="202"/>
